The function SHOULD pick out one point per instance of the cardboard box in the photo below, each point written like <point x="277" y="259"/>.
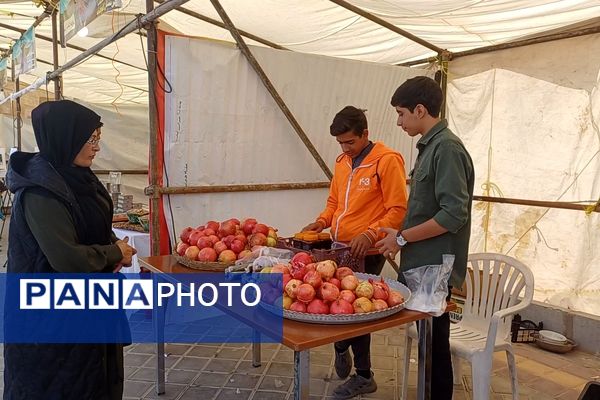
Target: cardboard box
<point x="456" y="316"/>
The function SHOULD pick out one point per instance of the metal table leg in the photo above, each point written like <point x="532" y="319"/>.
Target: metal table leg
<point x="424" y="373"/>
<point x="158" y="322"/>
<point x="256" y="349"/>
<point x="301" y="374"/>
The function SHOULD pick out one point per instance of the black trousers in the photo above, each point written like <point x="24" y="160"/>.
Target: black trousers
<point x="361" y="345"/>
<point x="441" y="360"/>
<point x="442" y="383"/>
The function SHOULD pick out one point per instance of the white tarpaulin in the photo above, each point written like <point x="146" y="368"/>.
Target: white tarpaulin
<point x="543" y="144"/>
<point x="537" y="157"/>
<point x="305" y="26"/>
<point x="222" y="127"/>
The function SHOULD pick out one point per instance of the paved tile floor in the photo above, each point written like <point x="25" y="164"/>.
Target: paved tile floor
<point x="224" y="371"/>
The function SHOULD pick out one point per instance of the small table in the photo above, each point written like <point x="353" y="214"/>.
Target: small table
<point x="301" y="336"/>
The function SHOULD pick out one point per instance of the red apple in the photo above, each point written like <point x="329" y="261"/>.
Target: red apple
<point x="207" y="254"/>
<point x="313" y="278"/>
<point x="227" y="256"/>
<point x="317" y="306"/>
<point x="298" y="306"/>
<point x="228" y="240"/>
<point x="185" y="234"/>
<point x="181" y="248"/>
<point x="280" y="269"/>
<point x="191" y="252"/>
<point x="249" y="220"/>
<point x="336" y="282"/>
<point x="237" y="246"/>
<point x="194" y="236"/>
<point x="261" y="228"/>
<point x="302" y="257"/>
<point x="348" y="295"/>
<point x="257" y="239"/>
<point x="203" y="242"/>
<point x="220" y="247"/>
<point x="242" y="238"/>
<point x="248" y="226"/>
<point x="212" y="225"/>
<point x="298" y="271"/>
<point x="341" y="306"/>
<point x="227" y="228"/>
<point x="329" y="292"/>
<point x="306" y="293"/>
<point x="342" y="272"/>
<point x="209" y="232"/>
<point x="214" y="239"/>
<point x="243" y="254"/>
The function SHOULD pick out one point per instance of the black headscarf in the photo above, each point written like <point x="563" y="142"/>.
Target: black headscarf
<point x="61" y="129"/>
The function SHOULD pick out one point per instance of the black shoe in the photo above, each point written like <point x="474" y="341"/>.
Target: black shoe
<point x="354" y="386"/>
<point x="343" y="363"/>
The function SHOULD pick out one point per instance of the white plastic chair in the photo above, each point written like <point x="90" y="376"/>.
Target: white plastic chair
<point x="485" y="326"/>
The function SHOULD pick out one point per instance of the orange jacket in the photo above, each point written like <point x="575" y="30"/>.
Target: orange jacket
<point x="370" y="197"/>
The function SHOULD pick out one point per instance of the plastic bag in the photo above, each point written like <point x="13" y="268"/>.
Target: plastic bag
<point x="429" y="286"/>
<point x="260" y="258"/>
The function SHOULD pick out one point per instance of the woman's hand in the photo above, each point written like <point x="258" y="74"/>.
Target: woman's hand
<point x="126" y="250"/>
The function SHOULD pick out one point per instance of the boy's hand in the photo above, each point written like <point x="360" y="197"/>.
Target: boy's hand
<point x="315" y="227"/>
<point x="388" y="245"/>
<point x="359" y="246"/>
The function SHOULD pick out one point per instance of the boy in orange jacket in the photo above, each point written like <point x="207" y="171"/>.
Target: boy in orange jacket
<point x="367" y="192"/>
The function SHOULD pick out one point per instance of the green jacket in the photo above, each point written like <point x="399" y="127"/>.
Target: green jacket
<point x="442" y="189"/>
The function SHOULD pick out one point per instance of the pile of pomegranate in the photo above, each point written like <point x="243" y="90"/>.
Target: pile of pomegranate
<point x="224" y="242"/>
<point x="323" y="288"/>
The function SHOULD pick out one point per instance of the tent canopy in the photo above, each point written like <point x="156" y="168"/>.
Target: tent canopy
<point x="309" y="26"/>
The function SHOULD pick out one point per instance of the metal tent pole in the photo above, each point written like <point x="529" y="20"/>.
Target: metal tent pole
<point x="58" y="79"/>
<point x="269" y="86"/>
<point x="129" y="28"/>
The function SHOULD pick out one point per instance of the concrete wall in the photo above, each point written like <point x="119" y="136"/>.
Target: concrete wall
<point x="582" y="328"/>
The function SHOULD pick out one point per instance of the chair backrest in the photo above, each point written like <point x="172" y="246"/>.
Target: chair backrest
<point x="495" y="282"/>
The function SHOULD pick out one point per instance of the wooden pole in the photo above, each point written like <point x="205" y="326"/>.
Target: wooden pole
<point x="538" y="203"/>
<point x="509" y="45"/>
<point x="153" y="115"/>
<point x="222" y="25"/>
<point x="444" y="56"/>
<point x="267" y="82"/>
<point x="527" y="42"/>
<point x="72" y="46"/>
<point x="387" y="25"/>
<point x="261" y="187"/>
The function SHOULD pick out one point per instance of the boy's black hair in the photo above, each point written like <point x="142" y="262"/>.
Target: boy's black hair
<point x="419" y="90"/>
<point x="349" y="118"/>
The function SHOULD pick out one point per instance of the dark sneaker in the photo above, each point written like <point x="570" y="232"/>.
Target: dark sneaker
<point x="343" y="363"/>
<point x="354" y="386"/>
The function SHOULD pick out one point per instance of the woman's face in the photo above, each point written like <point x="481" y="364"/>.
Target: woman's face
<point x="86" y="155"/>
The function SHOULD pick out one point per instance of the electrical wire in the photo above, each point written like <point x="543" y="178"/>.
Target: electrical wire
<point x="113" y="103"/>
<point x="160" y="133"/>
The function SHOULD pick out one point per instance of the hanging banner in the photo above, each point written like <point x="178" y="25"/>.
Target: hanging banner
<point x="3" y="72"/>
<point x="23" y="53"/>
<point x="76" y="14"/>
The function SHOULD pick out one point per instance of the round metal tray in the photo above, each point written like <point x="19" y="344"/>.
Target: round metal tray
<point x="341" y="319"/>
